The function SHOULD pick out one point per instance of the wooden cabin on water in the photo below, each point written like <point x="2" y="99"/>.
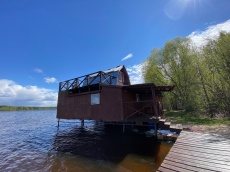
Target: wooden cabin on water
<point x="108" y="96"/>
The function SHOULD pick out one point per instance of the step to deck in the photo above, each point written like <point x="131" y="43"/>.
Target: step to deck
<point x="176" y="128"/>
<point x="161" y="123"/>
<point x="166" y="125"/>
<point x="162" y="120"/>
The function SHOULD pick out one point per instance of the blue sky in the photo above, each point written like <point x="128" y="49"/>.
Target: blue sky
<point x="45" y="42"/>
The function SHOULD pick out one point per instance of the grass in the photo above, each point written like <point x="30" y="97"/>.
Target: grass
<point x="194" y="118"/>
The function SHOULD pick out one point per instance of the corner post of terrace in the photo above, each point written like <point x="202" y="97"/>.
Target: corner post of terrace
<point x="67" y="85"/>
<point x="100" y="72"/>
<point x="88" y="81"/>
<point x="154" y="102"/>
<point x="60" y="86"/>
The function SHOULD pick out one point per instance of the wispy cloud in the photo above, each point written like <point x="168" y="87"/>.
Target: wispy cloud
<point x="50" y="80"/>
<point x="200" y="38"/>
<point x="37" y="70"/>
<point x="135" y="74"/>
<point x="14" y="94"/>
<point x="130" y="55"/>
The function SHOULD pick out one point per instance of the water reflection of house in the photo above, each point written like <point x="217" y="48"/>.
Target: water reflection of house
<point x="108" y="96"/>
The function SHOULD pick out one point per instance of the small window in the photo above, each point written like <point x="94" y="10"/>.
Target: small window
<point x="121" y="77"/>
<point x="95" y="99"/>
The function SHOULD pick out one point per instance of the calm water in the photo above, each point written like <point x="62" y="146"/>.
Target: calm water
<point x="31" y="141"/>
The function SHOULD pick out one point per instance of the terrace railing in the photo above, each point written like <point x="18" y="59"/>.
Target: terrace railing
<point x="86" y="80"/>
<point x="144" y="108"/>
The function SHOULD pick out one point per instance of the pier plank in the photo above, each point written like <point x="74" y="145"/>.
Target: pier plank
<point x="199" y="164"/>
<point x="182" y="166"/>
<point x="202" y="155"/>
<point x="163" y="169"/>
<point x="206" y="146"/>
<point x="202" y="150"/>
<point x="198" y="158"/>
<point x="198" y="152"/>
<point x="174" y="167"/>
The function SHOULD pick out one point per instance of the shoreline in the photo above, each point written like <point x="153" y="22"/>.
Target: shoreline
<point x="223" y="130"/>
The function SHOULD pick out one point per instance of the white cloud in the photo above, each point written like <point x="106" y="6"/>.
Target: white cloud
<point x="14" y="94"/>
<point x="50" y="80"/>
<point x="37" y="70"/>
<point x="212" y="32"/>
<point x="198" y="39"/>
<point x="130" y="55"/>
<point x="135" y="74"/>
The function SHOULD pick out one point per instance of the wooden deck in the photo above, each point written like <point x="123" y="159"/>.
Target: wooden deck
<point x="198" y="152"/>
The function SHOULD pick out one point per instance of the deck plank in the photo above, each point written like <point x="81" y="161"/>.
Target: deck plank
<point x="206" y="146"/>
<point x="202" y="155"/>
<point x="163" y="169"/>
<point x="199" y="158"/>
<point x="198" y="152"/>
<point x="174" y="167"/>
<point x="202" y="150"/>
<point x="183" y="166"/>
<point x="199" y="164"/>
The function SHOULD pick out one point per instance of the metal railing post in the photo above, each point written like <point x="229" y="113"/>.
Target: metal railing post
<point x="100" y="77"/>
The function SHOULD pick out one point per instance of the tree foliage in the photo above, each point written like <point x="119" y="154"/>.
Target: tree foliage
<point x="201" y="75"/>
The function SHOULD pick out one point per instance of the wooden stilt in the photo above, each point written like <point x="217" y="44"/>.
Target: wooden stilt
<point x="82" y="123"/>
<point x="123" y="128"/>
<point x="58" y="122"/>
<point x="155" y="128"/>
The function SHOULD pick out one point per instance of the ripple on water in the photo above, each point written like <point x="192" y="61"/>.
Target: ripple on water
<point x="30" y="141"/>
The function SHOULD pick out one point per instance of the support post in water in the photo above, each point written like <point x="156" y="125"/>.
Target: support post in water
<point x="58" y="122"/>
<point x="82" y="123"/>
<point x="155" y="129"/>
<point x="123" y="127"/>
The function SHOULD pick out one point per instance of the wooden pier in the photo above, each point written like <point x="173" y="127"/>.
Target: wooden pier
<point x="198" y="152"/>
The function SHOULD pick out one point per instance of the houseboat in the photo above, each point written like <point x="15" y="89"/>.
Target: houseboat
<point x="108" y="96"/>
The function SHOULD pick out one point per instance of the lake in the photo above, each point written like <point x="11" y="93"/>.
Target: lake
<point x="31" y="141"/>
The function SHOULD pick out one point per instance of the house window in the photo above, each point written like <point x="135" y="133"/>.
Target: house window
<point x="95" y="99"/>
<point x="121" y="77"/>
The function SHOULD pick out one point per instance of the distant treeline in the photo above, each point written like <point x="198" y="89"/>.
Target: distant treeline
<point x="22" y="108"/>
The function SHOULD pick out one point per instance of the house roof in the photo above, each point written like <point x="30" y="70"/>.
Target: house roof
<point x="118" y="68"/>
<point x="147" y="87"/>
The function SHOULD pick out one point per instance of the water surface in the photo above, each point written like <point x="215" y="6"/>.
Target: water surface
<point x="31" y="141"/>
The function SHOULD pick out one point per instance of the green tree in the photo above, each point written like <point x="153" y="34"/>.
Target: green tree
<point x="217" y="53"/>
<point x="201" y="75"/>
<point x="174" y="65"/>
